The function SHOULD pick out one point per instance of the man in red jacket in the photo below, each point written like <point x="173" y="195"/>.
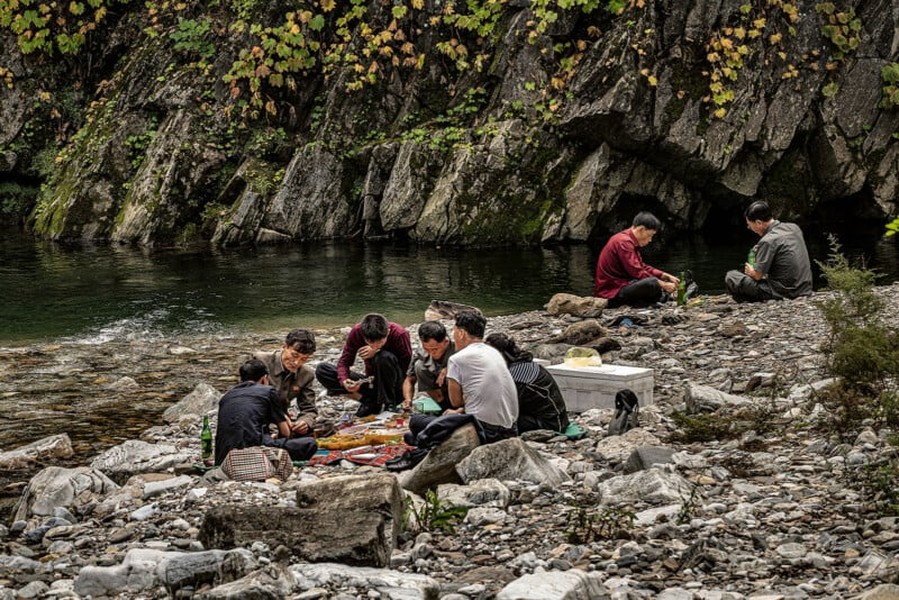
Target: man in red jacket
<point x="621" y="275"/>
<point x="385" y="350"/>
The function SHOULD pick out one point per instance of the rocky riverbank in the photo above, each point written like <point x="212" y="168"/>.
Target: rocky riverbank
<point x="778" y="511"/>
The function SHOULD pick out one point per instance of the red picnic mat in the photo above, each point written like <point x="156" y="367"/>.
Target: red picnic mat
<point x="375" y="456"/>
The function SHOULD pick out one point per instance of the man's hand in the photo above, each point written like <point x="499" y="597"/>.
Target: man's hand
<point x="670" y="277"/>
<point x="367" y="352"/>
<point x="751" y="272"/>
<point x="668" y="286"/>
<point x="441" y="377"/>
<point x="407" y="404"/>
<point x="351" y="386"/>
<point x="300" y="427"/>
<point x="454" y="411"/>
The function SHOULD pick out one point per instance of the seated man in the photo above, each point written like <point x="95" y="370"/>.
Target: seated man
<point x="480" y="389"/>
<point x="247" y="410"/>
<point x="540" y="402"/>
<point x="621" y="275"/>
<point x="781" y="266"/>
<point x="386" y="351"/>
<point x="428" y="367"/>
<point x="292" y="379"/>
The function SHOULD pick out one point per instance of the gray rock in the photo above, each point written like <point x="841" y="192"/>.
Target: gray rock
<point x="439" y="466"/>
<point x="136" y="573"/>
<point x="510" y="459"/>
<point x="654" y="486"/>
<point x="41" y="451"/>
<point x="56" y="487"/>
<point x="274" y="582"/>
<point x="203" y="399"/>
<point x="135" y="456"/>
<point x="645" y="457"/>
<point x="484" y="492"/>
<point x="35" y="589"/>
<point x="482" y="515"/>
<point x="354" y="520"/>
<point x="156" y="488"/>
<point x="586" y="307"/>
<point x="617" y="448"/>
<point x="580" y="333"/>
<point x="884" y="591"/>
<point x="703" y="398"/>
<point x="567" y="585"/>
<point x="198" y="568"/>
<point x="385" y="581"/>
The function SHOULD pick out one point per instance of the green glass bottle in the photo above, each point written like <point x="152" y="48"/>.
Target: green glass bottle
<point x="751" y="258"/>
<point x="206" y="440"/>
<point x="682" y="290"/>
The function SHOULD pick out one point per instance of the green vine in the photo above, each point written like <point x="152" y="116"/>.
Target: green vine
<point x="843" y="28"/>
<point x="51" y="27"/>
<point x="890" y="76"/>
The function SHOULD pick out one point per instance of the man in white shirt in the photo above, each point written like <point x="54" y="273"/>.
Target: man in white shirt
<point x="479" y="381"/>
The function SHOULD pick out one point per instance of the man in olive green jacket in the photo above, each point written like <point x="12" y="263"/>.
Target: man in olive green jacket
<point x="292" y="378"/>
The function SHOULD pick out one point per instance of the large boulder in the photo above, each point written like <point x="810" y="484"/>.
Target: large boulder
<point x="203" y="399"/>
<point x="485" y="492"/>
<point x="273" y="581"/>
<point x="586" y="307"/>
<point x="617" y="448"/>
<point x="566" y="585"/>
<point x="580" y="333"/>
<point x="703" y="398"/>
<point x="510" y="459"/>
<point x="134" y="457"/>
<point x="43" y="450"/>
<point x="654" y="486"/>
<point x="389" y="584"/>
<point x="144" y="569"/>
<point x="352" y="520"/>
<point x="56" y="487"/>
<point x="439" y="466"/>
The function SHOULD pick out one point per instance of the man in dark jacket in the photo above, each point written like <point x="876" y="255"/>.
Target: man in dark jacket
<point x="780" y="265"/>
<point x="247" y="410"/>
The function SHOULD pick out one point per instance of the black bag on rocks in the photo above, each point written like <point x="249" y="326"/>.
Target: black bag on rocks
<point x="627" y="409"/>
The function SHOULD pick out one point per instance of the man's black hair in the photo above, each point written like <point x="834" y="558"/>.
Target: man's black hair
<point x="253" y="370"/>
<point x="473" y="323"/>
<point x="759" y="211"/>
<point x="431" y="330"/>
<point x="647" y="220"/>
<point x="374" y="327"/>
<point x="301" y="340"/>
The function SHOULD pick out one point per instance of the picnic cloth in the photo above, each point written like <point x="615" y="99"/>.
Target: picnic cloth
<point x="375" y="456"/>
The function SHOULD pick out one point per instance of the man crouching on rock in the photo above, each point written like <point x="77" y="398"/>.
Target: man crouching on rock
<point x="247" y="410"/>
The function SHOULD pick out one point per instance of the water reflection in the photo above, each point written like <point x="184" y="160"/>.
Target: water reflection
<point x="95" y="293"/>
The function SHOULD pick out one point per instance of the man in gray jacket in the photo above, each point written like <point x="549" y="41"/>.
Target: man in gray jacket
<point x="779" y="267"/>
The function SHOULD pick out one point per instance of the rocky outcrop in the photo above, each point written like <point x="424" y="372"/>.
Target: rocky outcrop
<point x="542" y="130"/>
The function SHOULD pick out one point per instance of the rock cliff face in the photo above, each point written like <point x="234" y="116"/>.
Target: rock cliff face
<point x="535" y="127"/>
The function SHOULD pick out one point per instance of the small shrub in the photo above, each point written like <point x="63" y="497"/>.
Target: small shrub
<point x="587" y="523"/>
<point x="433" y="514"/>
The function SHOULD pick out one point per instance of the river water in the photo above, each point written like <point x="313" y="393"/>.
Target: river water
<point x="78" y="322"/>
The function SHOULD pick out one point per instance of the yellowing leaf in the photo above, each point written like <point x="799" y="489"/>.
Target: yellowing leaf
<point x="720" y="112"/>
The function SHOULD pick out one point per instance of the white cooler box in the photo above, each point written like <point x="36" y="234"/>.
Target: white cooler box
<point x="595" y="387"/>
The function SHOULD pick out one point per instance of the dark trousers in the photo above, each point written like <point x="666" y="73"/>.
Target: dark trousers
<point x="427" y="431"/>
<point x="744" y="288"/>
<point x="638" y="293"/>
<point x="301" y="448"/>
<point x="385" y="391"/>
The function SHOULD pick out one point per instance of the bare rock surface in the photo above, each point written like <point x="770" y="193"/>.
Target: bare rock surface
<point x="773" y="505"/>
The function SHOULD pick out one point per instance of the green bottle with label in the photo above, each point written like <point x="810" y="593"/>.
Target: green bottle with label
<point x="682" y="290"/>
<point x="206" y="441"/>
<point x="751" y="258"/>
